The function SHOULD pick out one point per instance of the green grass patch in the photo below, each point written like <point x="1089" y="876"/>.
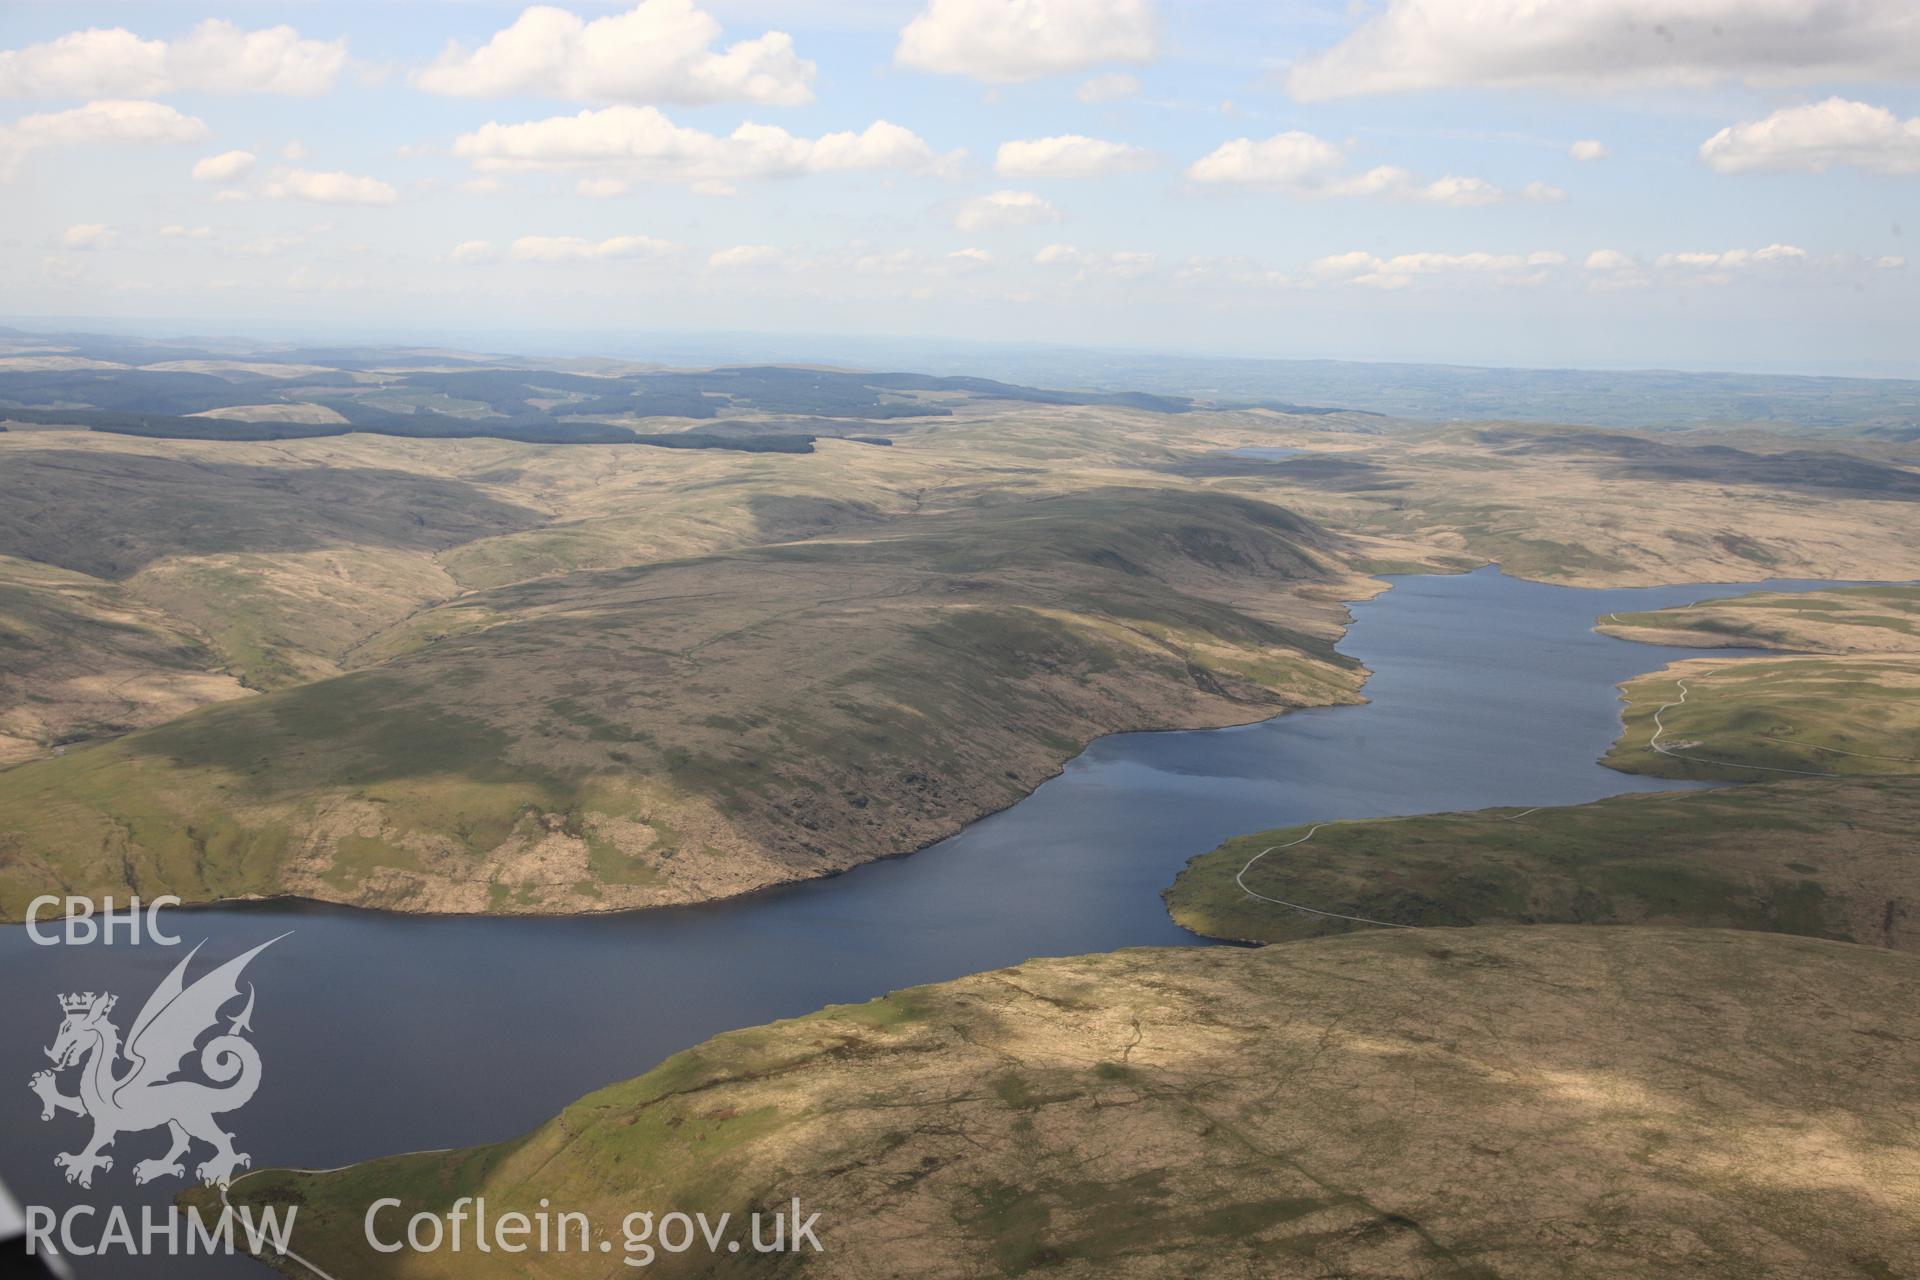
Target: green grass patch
<point x="1848" y="716"/>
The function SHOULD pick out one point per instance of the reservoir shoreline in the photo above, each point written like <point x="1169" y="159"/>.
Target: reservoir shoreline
<point x="384" y="1032"/>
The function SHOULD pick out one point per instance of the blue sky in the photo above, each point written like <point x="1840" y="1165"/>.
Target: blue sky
<point x="1395" y="180"/>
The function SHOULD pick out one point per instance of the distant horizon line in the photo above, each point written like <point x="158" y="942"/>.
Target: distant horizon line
<point x="548" y="343"/>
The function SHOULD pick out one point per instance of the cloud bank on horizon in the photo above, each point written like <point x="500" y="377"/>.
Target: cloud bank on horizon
<point x="1710" y="180"/>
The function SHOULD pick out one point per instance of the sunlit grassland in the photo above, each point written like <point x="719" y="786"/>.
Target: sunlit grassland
<point x="1743" y="719"/>
<point x="1287" y="1109"/>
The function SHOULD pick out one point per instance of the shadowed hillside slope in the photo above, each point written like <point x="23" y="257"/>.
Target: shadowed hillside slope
<point x="695" y="729"/>
<point x="1826" y="859"/>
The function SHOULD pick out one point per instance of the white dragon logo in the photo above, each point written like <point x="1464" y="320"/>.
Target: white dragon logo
<point x="146" y="1095"/>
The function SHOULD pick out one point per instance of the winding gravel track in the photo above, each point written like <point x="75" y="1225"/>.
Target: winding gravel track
<point x="1659" y="728"/>
<point x="1241" y="880"/>
<point x="290" y="1254"/>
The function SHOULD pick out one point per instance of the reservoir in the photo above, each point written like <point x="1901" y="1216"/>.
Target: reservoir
<point x="383" y="1033"/>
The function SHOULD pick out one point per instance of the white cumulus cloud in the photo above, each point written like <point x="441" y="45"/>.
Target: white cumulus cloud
<point x="1403" y="271"/>
<point x="474" y="251"/>
<point x="643" y="142"/>
<point x="1732" y="259"/>
<point x="1589" y="149"/>
<point x="87" y="235"/>
<point x="576" y="249"/>
<point x="1463" y="192"/>
<point x="107" y="121"/>
<point x="1069" y="155"/>
<point x="1586" y="45"/>
<point x="1818" y="137"/>
<point x="658" y="51"/>
<point x="1610" y="269"/>
<point x="1286" y="159"/>
<point x="1307" y="165"/>
<point x="1004" y="209"/>
<point x="228" y="166"/>
<point x="1004" y="41"/>
<point x="744" y="255"/>
<point x="1394" y="183"/>
<point x="329" y="188"/>
<point x="1122" y="264"/>
<point x="1237" y="272"/>
<point x="215" y="57"/>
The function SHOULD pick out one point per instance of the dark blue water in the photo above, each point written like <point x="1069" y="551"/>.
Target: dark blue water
<point x="389" y="1033"/>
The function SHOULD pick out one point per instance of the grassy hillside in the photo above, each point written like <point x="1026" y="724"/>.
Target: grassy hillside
<point x="456" y="395"/>
<point x="1848" y="705"/>
<point x="110" y="512"/>
<point x="1757" y="718"/>
<point x="698" y="728"/>
<point x="601" y="676"/>
<point x="1548" y="1102"/>
<point x="1842" y="621"/>
<point x="282" y="559"/>
<point x="1845" y="703"/>
<point x="81" y="658"/>
<point x="1828" y="860"/>
<point x="1602" y="508"/>
<point x="279" y="560"/>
